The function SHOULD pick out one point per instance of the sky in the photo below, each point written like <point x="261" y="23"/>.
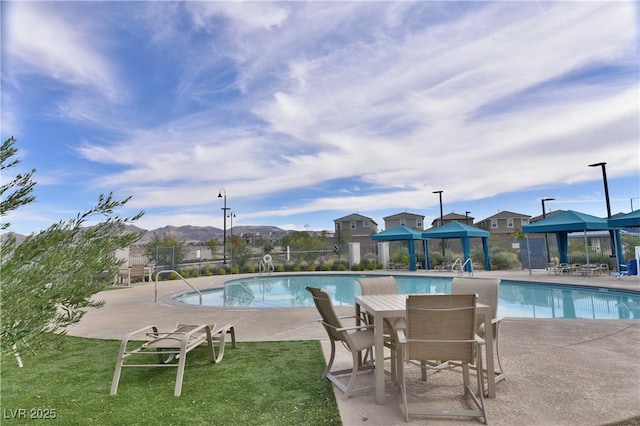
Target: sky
<point x="305" y="112"/>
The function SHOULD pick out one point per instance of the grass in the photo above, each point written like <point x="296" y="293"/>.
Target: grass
<point x="258" y="383"/>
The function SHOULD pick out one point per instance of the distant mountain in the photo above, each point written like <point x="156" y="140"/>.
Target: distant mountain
<point x="194" y="234"/>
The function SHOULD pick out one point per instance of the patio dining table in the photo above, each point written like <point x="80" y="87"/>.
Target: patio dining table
<point x="394" y="306"/>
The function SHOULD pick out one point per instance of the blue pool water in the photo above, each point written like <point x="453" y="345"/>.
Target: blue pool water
<point x="516" y="298"/>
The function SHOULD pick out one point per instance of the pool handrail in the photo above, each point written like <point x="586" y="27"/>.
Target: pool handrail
<point x="179" y="276"/>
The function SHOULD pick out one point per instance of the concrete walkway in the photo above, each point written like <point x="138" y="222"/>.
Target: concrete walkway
<point x="559" y="371"/>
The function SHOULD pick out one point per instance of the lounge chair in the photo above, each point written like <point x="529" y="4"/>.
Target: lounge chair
<point x="171" y="345"/>
<point x="356" y="339"/>
<point x="385" y="285"/>
<point x="130" y="274"/>
<point x="442" y="327"/>
<point x="562" y="269"/>
<point x="487" y="291"/>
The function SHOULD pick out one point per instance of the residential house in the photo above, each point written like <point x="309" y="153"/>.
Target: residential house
<point x="354" y="228"/>
<point x="410" y="220"/>
<point x="452" y="217"/>
<point x="504" y="224"/>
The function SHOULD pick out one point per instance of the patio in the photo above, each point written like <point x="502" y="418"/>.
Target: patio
<point x="559" y="372"/>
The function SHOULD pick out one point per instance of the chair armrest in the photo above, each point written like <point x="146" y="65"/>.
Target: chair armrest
<point x="402" y="338"/>
<point x="355" y="327"/>
<point x="480" y="340"/>
<point x="362" y="317"/>
<point x="496" y="320"/>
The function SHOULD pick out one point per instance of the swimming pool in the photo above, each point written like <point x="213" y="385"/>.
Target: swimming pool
<point x="516" y="298"/>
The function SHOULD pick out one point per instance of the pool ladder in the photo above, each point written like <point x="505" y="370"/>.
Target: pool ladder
<point x="168" y="271"/>
<point x="461" y="266"/>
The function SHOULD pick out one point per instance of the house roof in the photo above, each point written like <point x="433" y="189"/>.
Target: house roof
<point x="403" y="214"/>
<point x="506" y="214"/>
<point x="540" y="217"/>
<point x="354" y="216"/>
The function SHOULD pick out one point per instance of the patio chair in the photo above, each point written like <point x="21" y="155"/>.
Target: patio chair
<point x="442" y="327"/>
<point x="385" y="285"/>
<point x="487" y="291"/>
<point x="172" y="345"/>
<point x="354" y="338"/>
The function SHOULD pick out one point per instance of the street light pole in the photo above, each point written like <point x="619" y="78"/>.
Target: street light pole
<point x="546" y="239"/>
<point x="441" y="216"/>
<point x="223" y="194"/>
<point x="231" y="215"/>
<point x="612" y="233"/>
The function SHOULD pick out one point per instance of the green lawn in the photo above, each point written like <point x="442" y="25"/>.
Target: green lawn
<point x="258" y="383"/>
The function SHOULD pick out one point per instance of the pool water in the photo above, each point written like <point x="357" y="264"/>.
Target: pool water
<point x="516" y="298"/>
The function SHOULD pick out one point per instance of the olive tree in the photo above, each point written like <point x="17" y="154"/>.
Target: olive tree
<point x="49" y="278"/>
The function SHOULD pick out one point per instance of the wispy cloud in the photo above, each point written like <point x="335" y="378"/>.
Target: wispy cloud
<point x="271" y="100"/>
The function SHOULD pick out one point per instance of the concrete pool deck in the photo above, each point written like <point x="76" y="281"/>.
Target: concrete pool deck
<point x="559" y="371"/>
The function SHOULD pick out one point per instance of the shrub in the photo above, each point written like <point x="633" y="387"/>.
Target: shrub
<point x="504" y="260"/>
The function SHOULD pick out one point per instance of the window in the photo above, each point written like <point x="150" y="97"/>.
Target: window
<point x="494" y="223"/>
<point x="524" y="221"/>
<point x="419" y="223"/>
<point x="403" y="222"/>
<point x="366" y="223"/>
<point x="353" y="224"/>
<point x="510" y="222"/>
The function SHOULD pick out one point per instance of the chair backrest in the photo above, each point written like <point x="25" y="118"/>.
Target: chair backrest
<point x="441" y="327"/>
<point x="378" y="285"/>
<point x="330" y="319"/>
<point x="137" y="271"/>
<point x="485" y="288"/>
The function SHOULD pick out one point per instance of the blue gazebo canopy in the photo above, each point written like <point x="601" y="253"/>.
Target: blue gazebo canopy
<point x="464" y="232"/>
<point x="630" y="219"/>
<point x="401" y="233"/>
<point x="565" y="222"/>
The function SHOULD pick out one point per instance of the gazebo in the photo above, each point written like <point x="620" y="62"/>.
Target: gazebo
<point x="565" y="222"/>
<point x="626" y="220"/>
<point x="402" y="233"/>
<point x="464" y="232"/>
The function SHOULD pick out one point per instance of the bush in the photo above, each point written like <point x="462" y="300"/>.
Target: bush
<point x="235" y="270"/>
<point x="504" y="260"/>
<point x="436" y="258"/>
<point x="222" y="271"/>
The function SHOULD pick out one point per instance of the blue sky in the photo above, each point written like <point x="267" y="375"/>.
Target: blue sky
<point x="305" y="112"/>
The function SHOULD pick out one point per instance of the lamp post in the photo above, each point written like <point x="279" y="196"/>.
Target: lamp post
<point x="466" y="217"/>
<point x="631" y="201"/>
<point x="223" y="194"/>
<point x="546" y="239"/>
<point x="612" y="233"/>
<point x="441" y="216"/>
<point x="231" y="216"/>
